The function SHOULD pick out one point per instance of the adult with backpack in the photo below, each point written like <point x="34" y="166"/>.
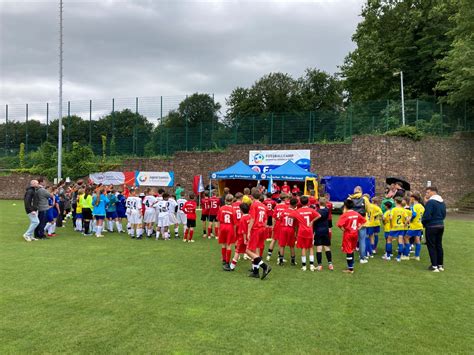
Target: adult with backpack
<point x="361" y="204"/>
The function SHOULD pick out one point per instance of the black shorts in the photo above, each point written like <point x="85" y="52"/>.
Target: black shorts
<point x="86" y="213"/>
<point x="191" y="223"/>
<point x="329" y="223"/>
<point x="269" y="221"/>
<point x="212" y="218"/>
<point x="322" y="240"/>
<point x="204" y="217"/>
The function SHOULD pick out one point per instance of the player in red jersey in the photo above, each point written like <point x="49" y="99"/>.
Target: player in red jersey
<point x="329" y="206"/>
<point x="350" y="222"/>
<point x="189" y="208"/>
<point x="270" y="203"/>
<point x="312" y="201"/>
<point x="279" y="208"/>
<point x="214" y="204"/>
<point x="287" y="232"/>
<point x="286" y="188"/>
<point x="226" y="219"/>
<point x="205" y="213"/>
<point x="305" y="216"/>
<point x="242" y="235"/>
<point x="295" y="190"/>
<point x="256" y="239"/>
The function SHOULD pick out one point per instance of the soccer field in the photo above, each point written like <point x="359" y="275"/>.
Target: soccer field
<point x="113" y="294"/>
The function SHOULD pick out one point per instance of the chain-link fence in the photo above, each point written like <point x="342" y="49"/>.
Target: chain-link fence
<point x="148" y="126"/>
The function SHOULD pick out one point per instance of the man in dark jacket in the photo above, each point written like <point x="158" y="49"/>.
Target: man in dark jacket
<point x="433" y="221"/>
<point x="31" y="208"/>
<point x="42" y="195"/>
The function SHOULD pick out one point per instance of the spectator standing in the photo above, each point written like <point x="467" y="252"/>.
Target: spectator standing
<point x="31" y="208"/>
<point x="42" y="196"/>
<point x="179" y="191"/>
<point x="433" y="221"/>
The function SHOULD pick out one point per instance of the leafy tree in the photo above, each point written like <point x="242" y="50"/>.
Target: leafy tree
<point x="194" y="110"/>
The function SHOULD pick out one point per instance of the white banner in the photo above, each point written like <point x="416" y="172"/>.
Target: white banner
<point x="153" y="178"/>
<point x="264" y="161"/>
<point x="107" y="178"/>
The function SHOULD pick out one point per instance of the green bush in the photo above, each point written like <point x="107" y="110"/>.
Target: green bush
<point x="406" y="131"/>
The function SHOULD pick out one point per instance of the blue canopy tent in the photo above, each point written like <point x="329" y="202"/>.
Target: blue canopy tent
<point x="290" y="172"/>
<point x="236" y="177"/>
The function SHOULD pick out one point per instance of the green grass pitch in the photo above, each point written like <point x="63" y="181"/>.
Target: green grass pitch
<point x="79" y="294"/>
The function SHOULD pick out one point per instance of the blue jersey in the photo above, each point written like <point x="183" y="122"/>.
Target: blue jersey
<point x="112" y="206"/>
<point x="100" y="209"/>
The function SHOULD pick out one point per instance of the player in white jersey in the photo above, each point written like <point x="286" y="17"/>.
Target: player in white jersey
<point x="150" y="216"/>
<point x="180" y="215"/>
<point x="163" y="218"/>
<point x="173" y="209"/>
<point x="134" y="213"/>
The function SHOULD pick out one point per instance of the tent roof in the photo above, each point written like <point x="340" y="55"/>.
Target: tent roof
<point x="239" y="170"/>
<point x="290" y="171"/>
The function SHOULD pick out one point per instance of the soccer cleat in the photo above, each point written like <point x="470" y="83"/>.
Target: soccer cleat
<point x="101" y="236"/>
<point x="139" y="238"/>
<point x="227" y="268"/>
<point x="364" y="261"/>
<point x="293" y="263"/>
<point x="348" y="271"/>
<point x="191" y="241"/>
<point x="385" y="257"/>
<point x="398" y="260"/>
<point x="279" y="262"/>
<point x="26" y="238"/>
<point x="303" y="268"/>
<point x="204" y="236"/>
<point x="319" y="268"/>
<point x="371" y="256"/>
<point x="246" y="257"/>
<point x="331" y="267"/>
<point x="417" y="258"/>
<point x="185" y="240"/>
<point x="254" y="275"/>
<point x="209" y="237"/>
<point x="33" y="238"/>
<point x="312" y="268"/>
<point x="266" y="271"/>
<point x="440" y="268"/>
<point x="224" y="263"/>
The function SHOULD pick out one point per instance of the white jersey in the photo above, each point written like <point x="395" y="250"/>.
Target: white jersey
<point x="172" y="206"/>
<point x="181" y="203"/>
<point x="162" y="208"/>
<point x="149" y="202"/>
<point x="134" y="203"/>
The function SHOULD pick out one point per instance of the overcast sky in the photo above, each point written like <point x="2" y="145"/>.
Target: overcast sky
<point x="131" y="48"/>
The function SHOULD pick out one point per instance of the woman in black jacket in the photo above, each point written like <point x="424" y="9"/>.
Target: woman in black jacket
<point x="31" y="208"/>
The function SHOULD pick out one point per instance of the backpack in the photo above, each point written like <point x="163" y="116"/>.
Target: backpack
<point x="359" y="205"/>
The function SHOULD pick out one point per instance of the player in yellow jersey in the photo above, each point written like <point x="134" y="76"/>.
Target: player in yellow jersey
<point x="374" y="215"/>
<point x="416" y="227"/>
<point x="398" y="222"/>
<point x="386" y="229"/>
<point x="407" y="243"/>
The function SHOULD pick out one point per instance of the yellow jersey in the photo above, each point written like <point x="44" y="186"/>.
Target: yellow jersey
<point x="408" y="213"/>
<point x="417" y="213"/>
<point x="86" y="202"/>
<point x="386" y="221"/>
<point x="246" y="199"/>
<point x="398" y="218"/>
<point x="374" y="215"/>
<point x="79" y="204"/>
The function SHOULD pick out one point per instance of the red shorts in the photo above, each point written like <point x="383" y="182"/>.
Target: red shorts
<point x="304" y="243"/>
<point x="287" y="237"/>
<point x="276" y="233"/>
<point x="257" y="239"/>
<point x="226" y="234"/>
<point x="240" y="247"/>
<point x="349" y="243"/>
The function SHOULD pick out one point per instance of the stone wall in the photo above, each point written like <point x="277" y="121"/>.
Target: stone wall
<point x="447" y="162"/>
<point x="12" y="187"/>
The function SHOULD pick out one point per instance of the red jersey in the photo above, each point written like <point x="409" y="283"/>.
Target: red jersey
<point x="258" y="212"/>
<point x="270" y="206"/>
<point x="190" y="209"/>
<point x="295" y="190"/>
<point x="205" y="206"/>
<point x="312" y="201"/>
<point x="243" y="227"/>
<point x="237" y="211"/>
<point x="287" y="218"/>
<point x="351" y="221"/>
<point x="305" y="217"/>
<point x="278" y="211"/>
<point x="226" y="216"/>
<point x="329" y="206"/>
<point x="276" y="188"/>
<point x="214" y="204"/>
<point x="285" y="189"/>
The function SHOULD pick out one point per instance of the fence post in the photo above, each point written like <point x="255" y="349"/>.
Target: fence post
<point x="68" y="125"/>
<point x="161" y="124"/>
<point x="90" y="123"/>
<point x="6" y="132"/>
<point x="113" y="117"/>
<point x="271" y="130"/>
<point x="26" y="131"/>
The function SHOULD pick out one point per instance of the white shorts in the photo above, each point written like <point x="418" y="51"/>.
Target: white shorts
<point x="182" y="219"/>
<point x="163" y="221"/>
<point x="149" y="216"/>
<point x="135" y="217"/>
<point x="173" y="219"/>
